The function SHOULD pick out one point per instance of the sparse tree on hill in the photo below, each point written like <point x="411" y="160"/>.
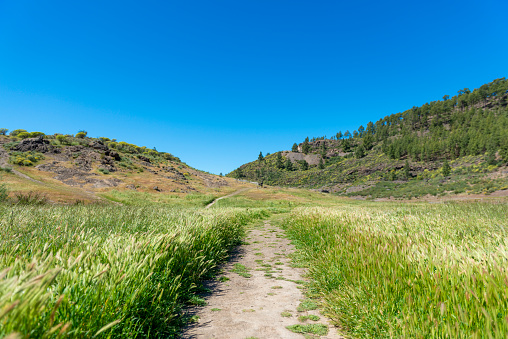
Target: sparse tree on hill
<point x="279" y="163"/>
<point x="260" y="157"/>
<point x="294" y="148"/>
<point x="288" y="165"/>
<point x="304" y="165"/>
<point x="360" y="152"/>
<point x="407" y="174"/>
<point x="321" y="164"/>
<point x="3" y="131"/>
<point x="306" y="146"/>
<point x="339" y="135"/>
<point x="446" y="168"/>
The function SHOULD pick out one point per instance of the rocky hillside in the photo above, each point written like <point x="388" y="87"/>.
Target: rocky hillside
<point x="455" y="145"/>
<point x="68" y="167"/>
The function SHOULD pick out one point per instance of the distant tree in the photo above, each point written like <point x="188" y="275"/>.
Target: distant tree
<point x="367" y="142"/>
<point x="360" y="152"/>
<point x="347" y="134"/>
<point x="35" y="134"/>
<point x="306" y="146"/>
<point x="361" y="129"/>
<point x="339" y="135"/>
<point x="220" y="174"/>
<point x="446" y="97"/>
<point x="446" y="168"/>
<point x="239" y="173"/>
<point x="81" y="134"/>
<point x="304" y="165"/>
<point x="321" y="164"/>
<point x="294" y="148"/>
<point x="407" y="174"/>
<point x="3" y="131"/>
<point x="288" y="165"/>
<point x="346" y="145"/>
<point x="278" y="161"/>
<point x="260" y="156"/>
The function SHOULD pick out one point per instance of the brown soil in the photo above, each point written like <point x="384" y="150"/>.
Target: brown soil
<point x="251" y="307"/>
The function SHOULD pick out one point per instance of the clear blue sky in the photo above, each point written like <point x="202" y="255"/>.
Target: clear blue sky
<point x="215" y="82"/>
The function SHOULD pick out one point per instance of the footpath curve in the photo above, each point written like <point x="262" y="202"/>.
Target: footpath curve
<point x="227" y="196"/>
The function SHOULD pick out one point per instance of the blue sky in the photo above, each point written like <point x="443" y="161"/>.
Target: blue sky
<point x="216" y="82"/>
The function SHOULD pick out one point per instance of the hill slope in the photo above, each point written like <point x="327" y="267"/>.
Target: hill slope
<point x="67" y="168"/>
<point x="457" y="144"/>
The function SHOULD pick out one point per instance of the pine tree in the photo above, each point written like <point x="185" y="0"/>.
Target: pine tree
<point x="294" y="148"/>
<point x="279" y="163"/>
<point x="446" y="168"/>
<point x="260" y="157"/>
<point x="321" y="164"/>
<point x="407" y="174"/>
<point x="288" y="165"/>
<point x="360" y="152"/>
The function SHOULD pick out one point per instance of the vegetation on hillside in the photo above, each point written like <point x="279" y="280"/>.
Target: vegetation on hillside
<point x="414" y="145"/>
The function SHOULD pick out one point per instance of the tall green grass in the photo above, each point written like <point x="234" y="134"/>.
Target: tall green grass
<point x="84" y="271"/>
<point x="412" y="271"/>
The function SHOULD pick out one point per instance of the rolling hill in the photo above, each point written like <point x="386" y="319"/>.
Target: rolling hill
<point x="455" y="145"/>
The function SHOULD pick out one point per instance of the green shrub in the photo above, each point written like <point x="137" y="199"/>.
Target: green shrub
<point x="104" y="170"/>
<point x="81" y="135"/>
<point x="25" y="158"/>
<point x="61" y="138"/>
<point x="23" y="135"/>
<point x="31" y="198"/>
<point x="3" y="131"/>
<point x="36" y="134"/>
<point x="16" y="132"/>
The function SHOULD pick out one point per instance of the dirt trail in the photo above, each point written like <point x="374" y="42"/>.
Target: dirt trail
<point x="260" y="306"/>
<point x="227" y="196"/>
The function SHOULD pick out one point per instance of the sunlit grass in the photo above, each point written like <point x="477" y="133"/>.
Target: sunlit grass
<point x="412" y="271"/>
<point x="113" y="271"/>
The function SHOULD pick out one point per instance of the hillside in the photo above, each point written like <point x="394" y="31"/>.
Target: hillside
<point x="77" y="168"/>
<point x="455" y="145"/>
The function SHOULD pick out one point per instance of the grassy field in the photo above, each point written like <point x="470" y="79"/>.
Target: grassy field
<point x="119" y="271"/>
<point x="415" y="270"/>
<point x="408" y="270"/>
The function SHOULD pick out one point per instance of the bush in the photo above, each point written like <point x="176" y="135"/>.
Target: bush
<point x="31" y="198"/>
<point x="61" y="138"/>
<point x="16" y="132"/>
<point x="3" y="131"/>
<point x="26" y="158"/>
<point x="81" y="134"/>
<point x="104" y="170"/>
<point x="23" y="135"/>
<point x="36" y="134"/>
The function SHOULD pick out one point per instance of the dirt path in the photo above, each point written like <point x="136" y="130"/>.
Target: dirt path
<point x="262" y="305"/>
<point x="227" y="196"/>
